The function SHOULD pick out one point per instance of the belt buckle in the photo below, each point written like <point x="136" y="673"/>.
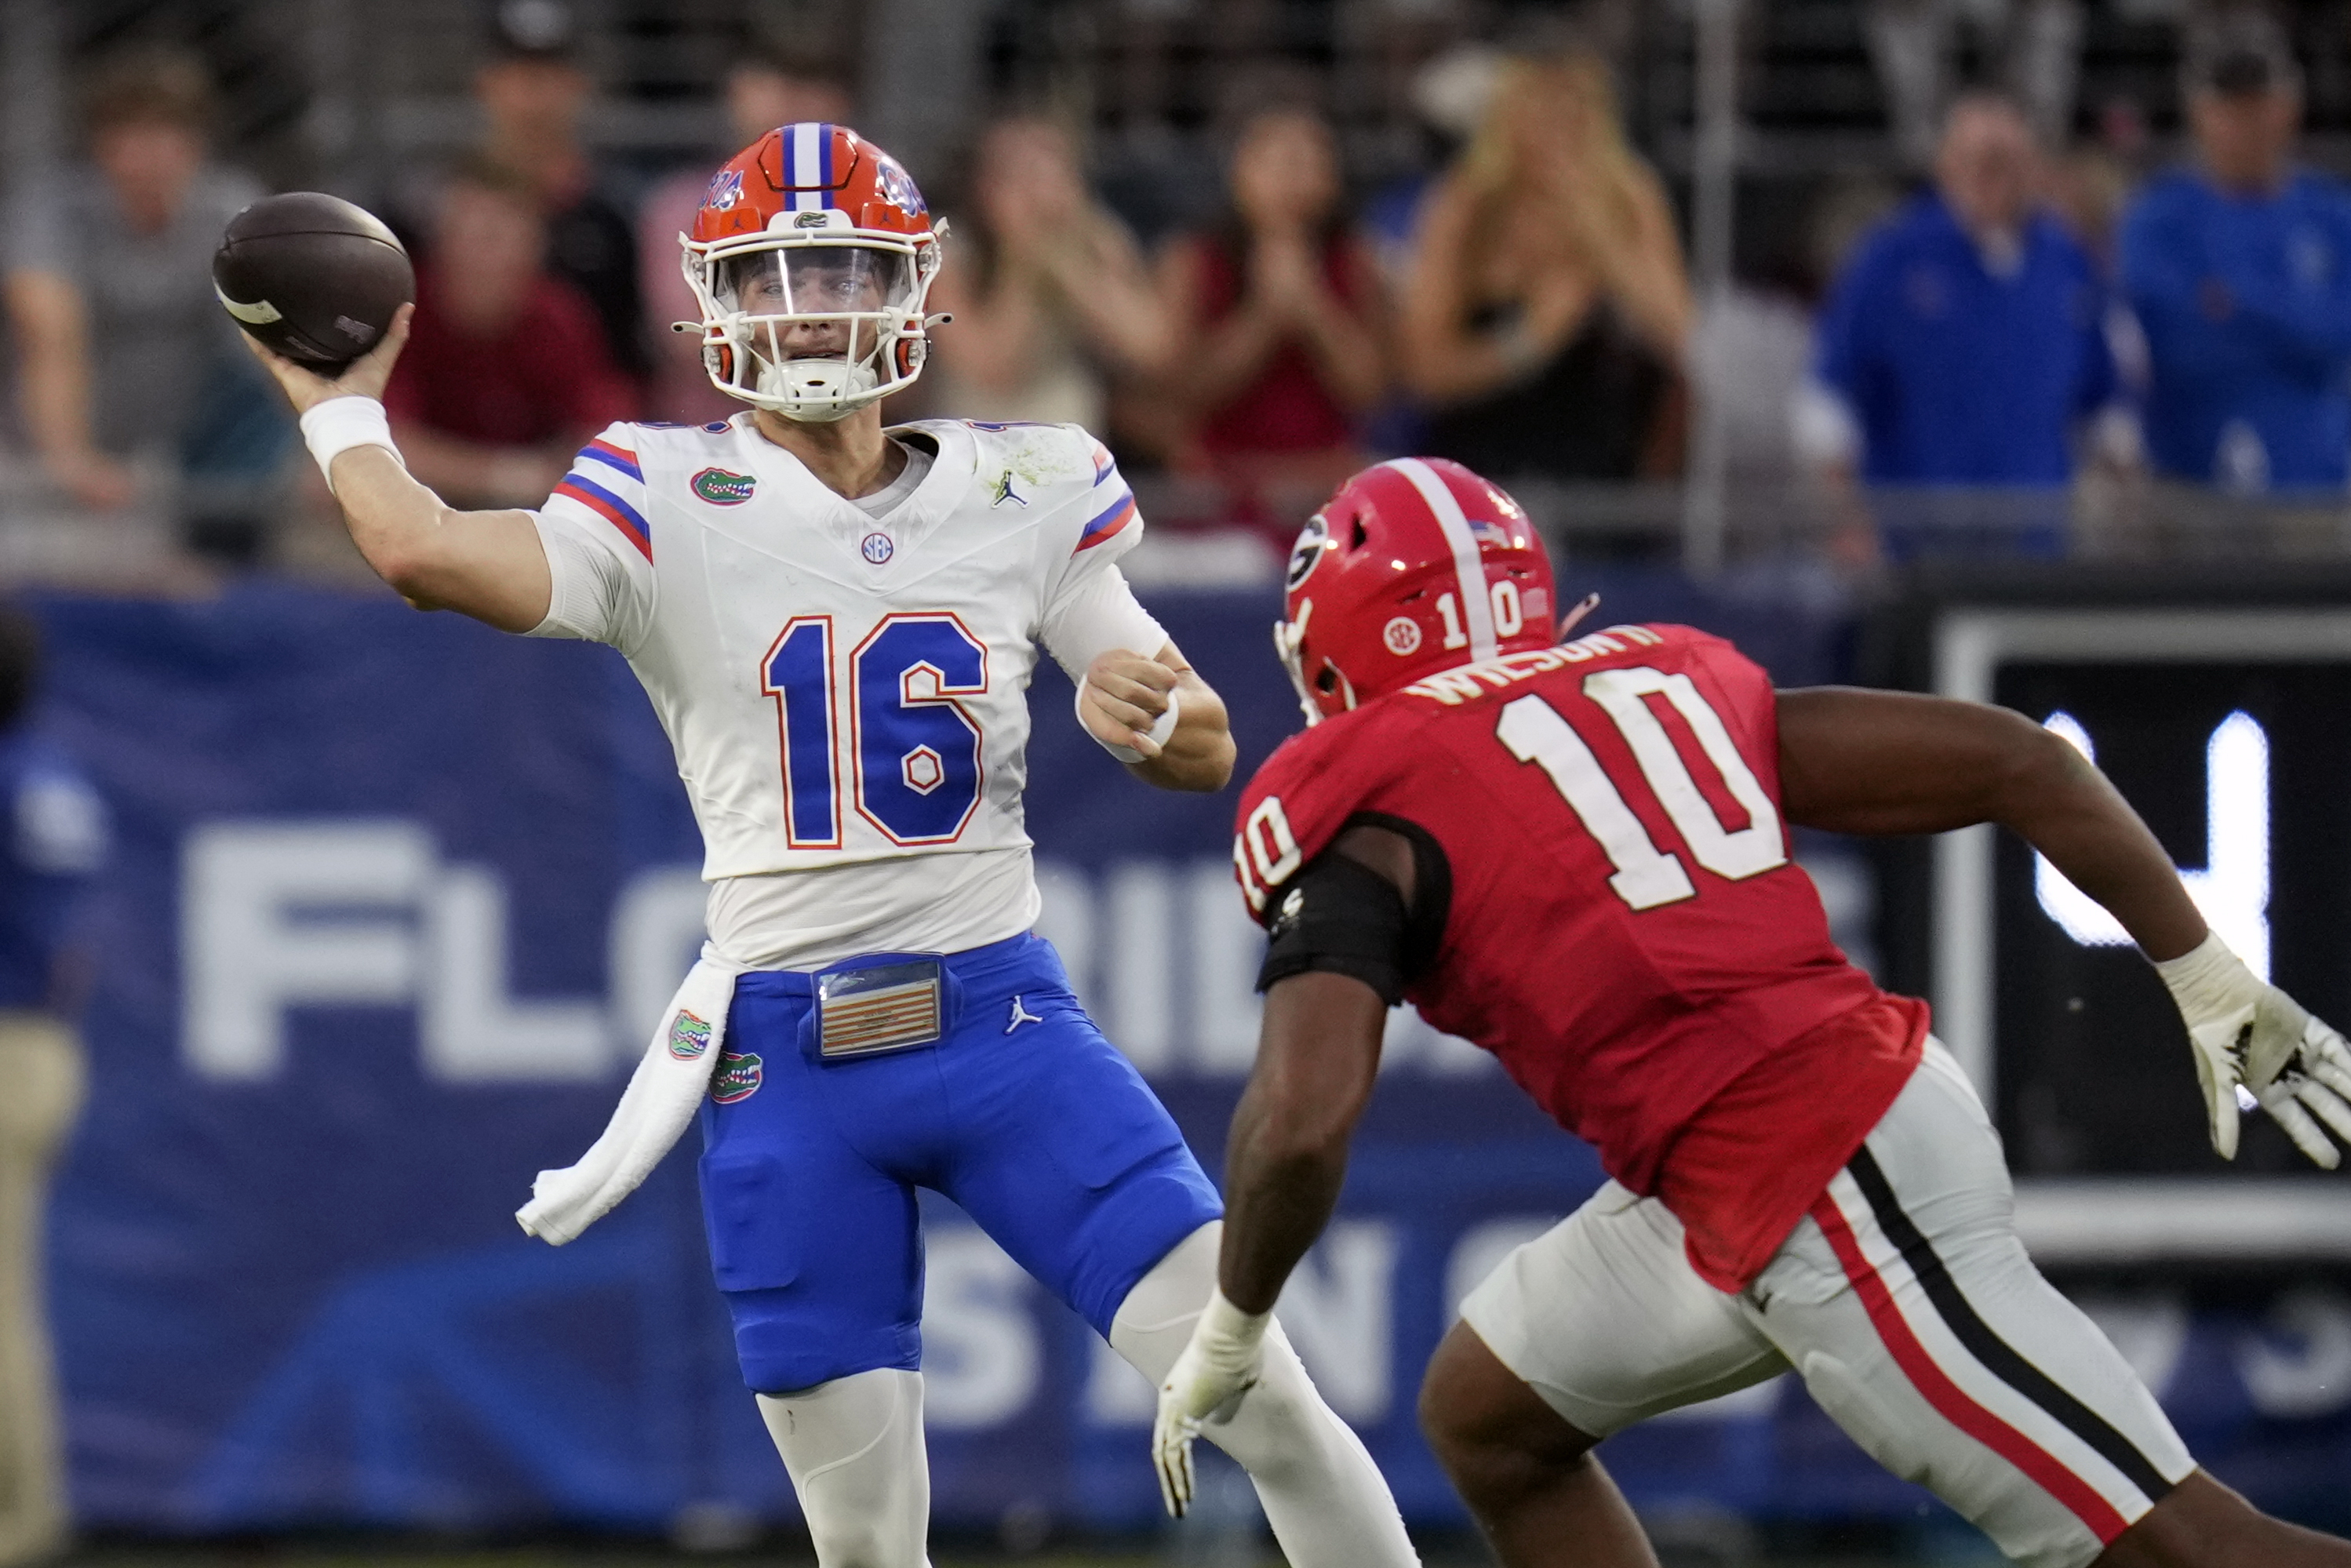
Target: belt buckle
<point x="878" y="1009"/>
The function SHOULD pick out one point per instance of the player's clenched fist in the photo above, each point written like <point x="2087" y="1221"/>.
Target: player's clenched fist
<point x="366" y="376"/>
<point x="1127" y="702"/>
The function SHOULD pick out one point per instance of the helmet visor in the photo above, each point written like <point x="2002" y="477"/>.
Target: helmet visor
<point x="821" y="280"/>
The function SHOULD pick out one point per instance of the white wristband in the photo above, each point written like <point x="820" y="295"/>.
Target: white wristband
<point x="1223" y="1327"/>
<point x="2209" y="980"/>
<point x="333" y="427"/>
<point x="1161" y="728"/>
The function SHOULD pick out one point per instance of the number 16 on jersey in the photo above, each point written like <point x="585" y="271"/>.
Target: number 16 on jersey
<point x="914" y="753"/>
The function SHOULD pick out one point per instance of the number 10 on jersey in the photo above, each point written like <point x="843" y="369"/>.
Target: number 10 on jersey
<point x="1646" y="876"/>
<point x="913" y="750"/>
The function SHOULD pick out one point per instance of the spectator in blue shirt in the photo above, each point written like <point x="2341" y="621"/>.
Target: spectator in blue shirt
<point x="2239" y="270"/>
<point x="1965" y="343"/>
<point x="52" y="836"/>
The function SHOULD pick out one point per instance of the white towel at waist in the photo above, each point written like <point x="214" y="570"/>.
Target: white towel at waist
<point x="654" y="1109"/>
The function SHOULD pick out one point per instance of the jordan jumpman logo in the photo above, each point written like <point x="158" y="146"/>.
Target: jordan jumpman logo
<point x="1021" y="1014"/>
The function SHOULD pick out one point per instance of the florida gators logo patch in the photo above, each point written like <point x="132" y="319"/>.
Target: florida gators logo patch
<point x="737" y="1077"/>
<point x="689" y="1036"/>
<point x="720" y="488"/>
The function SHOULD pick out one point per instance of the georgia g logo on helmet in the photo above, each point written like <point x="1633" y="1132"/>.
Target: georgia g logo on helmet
<point x="1307" y="553"/>
<point x="811" y="258"/>
<point x="1413" y="566"/>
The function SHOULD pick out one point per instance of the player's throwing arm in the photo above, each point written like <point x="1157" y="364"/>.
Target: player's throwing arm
<point x="487" y="565"/>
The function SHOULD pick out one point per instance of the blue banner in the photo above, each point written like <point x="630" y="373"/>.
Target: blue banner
<point x="393" y="902"/>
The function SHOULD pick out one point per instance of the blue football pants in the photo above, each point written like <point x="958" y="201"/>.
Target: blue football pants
<point x="1022" y="1114"/>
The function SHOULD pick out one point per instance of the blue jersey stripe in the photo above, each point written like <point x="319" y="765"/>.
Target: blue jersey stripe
<point x="1108" y="515"/>
<point x="630" y="512"/>
<point x="611" y="457"/>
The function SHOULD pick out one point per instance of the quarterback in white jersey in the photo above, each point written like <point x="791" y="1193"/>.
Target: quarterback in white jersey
<point x="848" y="699"/>
<point x="837" y="624"/>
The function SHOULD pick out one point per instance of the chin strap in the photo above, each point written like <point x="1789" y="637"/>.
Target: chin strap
<point x="1575" y="618"/>
<point x="1288" y="635"/>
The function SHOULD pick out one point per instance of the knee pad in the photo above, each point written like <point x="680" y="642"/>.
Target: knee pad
<point x="854" y="1447"/>
<point x="1154" y="1323"/>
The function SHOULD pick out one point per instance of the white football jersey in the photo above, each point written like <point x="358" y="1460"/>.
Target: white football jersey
<point x="847" y="694"/>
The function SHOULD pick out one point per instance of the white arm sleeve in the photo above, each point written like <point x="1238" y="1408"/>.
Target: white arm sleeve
<point x="600" y="595"/>
<point x="1094" y="612"/>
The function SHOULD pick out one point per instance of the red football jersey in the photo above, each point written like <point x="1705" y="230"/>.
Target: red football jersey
<point x="1628" y="930"/>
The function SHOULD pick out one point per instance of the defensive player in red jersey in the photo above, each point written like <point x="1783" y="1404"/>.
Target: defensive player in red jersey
<point x="1576" y="854"/>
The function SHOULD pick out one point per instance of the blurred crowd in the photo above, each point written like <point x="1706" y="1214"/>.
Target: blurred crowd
<point x="2033" y="313"/>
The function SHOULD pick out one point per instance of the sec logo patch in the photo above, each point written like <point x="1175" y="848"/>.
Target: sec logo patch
<point x="877" y="549"/>
<point x="720" y="488"/>
<point x="1402" y="635"/>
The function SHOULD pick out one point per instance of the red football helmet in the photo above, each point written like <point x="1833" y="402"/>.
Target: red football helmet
<point x="1413" y="566"/>
<point x="811" y="257"/>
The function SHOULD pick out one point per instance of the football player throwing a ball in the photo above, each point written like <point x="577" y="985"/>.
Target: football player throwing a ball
<point x="837" y="624"/>
<point x="1576" y="855"/>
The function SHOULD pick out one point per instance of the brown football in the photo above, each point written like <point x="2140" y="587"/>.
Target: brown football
<point x="312" y="277"/>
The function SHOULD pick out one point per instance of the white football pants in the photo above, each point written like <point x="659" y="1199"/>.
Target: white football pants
<point x="854" y="1445"/>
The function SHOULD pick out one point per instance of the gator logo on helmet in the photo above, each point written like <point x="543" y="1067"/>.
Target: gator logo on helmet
<point x="1307" y="553"/>
<point x="737" y="1077"/>
<point x="720" y="488"/>
<point x="726" y="190"/>
<point x="689" y="1036"/>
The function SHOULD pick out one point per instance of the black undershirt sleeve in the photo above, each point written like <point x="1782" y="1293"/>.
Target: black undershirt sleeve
<point x="1339" y="916"/>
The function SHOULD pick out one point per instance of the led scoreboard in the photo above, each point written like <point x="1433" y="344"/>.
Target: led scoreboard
<point x="2230" y="729"/>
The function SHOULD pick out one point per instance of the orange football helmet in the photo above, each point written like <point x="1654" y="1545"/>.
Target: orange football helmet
<point x="811" y="257"/>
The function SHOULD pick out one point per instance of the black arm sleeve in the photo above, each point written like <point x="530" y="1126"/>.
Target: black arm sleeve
<point x="1339" y="916"/>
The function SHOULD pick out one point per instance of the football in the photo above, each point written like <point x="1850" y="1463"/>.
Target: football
<point x="312" y="277"/>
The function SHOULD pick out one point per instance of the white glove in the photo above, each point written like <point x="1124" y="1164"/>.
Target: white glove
<point x="2248" y="1032"/>
<point x="1222" y="1363"/>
